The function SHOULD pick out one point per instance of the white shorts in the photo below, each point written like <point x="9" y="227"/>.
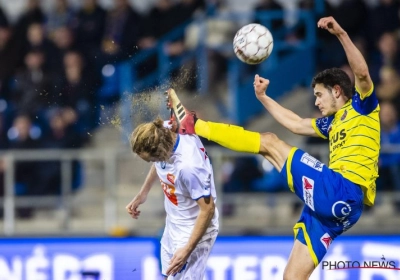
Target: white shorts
<point x="197" y="261"/>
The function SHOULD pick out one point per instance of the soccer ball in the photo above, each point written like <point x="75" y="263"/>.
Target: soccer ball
<point x="253" y="43"/>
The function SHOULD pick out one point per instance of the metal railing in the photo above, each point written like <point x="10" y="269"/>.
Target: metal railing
<point x="10" y="201"/>
<point x="109" y="158"/>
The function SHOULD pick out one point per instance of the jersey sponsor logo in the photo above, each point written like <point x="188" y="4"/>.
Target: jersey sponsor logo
<point x="169" y="192"/>
<point x="171" y="178"/>
<point x="308" y="191"/>
<point x="326" y="240"/>
<point x="343" y="117"/>
<point x="341" y="209"/>
<point x="312" y="162"/>
<point x="338" y="136"/>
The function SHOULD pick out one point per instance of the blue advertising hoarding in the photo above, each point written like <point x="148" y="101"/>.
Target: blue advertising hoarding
<point x="232" y="258"/>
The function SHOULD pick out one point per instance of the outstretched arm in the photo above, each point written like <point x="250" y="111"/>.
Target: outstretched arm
<point x="285" y="117"/>
<point x="141" y="197"/>
<point x="356" y="60"/>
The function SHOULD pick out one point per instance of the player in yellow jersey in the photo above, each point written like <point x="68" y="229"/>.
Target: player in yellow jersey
<point x="334" y="195"/>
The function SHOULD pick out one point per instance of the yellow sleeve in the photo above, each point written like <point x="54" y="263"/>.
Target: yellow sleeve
<point x="365" y="95"/>
<point x="314" y="125"/>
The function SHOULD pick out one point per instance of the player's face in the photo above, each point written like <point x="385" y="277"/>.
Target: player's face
<point x="324" y="100"/>
<point x="147" y="157"/>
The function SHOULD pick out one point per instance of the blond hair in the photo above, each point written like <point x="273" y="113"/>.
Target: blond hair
<point x="154" y="139"/>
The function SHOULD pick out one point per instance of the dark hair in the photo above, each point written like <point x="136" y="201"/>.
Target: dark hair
<point x="153" y="138"/>
<point x="334" y="76"/>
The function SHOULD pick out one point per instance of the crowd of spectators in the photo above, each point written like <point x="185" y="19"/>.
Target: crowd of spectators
<point x="51" y="65"/>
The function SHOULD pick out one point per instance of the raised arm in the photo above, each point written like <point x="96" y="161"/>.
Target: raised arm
<point x="141" y="197"/>
<point x="285" y="117"/>
<point x="356" y="60"/>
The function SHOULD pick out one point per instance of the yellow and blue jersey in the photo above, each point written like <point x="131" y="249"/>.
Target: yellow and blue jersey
<point x="354" y="141"/>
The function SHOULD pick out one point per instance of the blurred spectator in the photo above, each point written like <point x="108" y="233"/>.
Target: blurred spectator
<point x="36" y="39"/>
<point x="3" y="133"/>
<point x="33" y="14"/>
<point x="61" y="16"/>
<point x="178" y="14"/>
<point x="89" y="27"/>
<point x="269" y="5"/>
<point x="23" y="135"/>
<point x="78" y="90"/>
<point x="351" y="15"/>
<point x="123" y="26"/>
<point x="244" y="173"/>
<point x="61" y="135"/>
<point x="8" y="61"/>
<point x="3" y="145"/>
<point x="346" y="68"/>
<point x="387" y="55"/>
<point x="384" y="18"/>
<point x="389" y="163"/>
<point x="389" y="87"/>
<point x="188" y="8"/>
<point x="162" y="18"/>
<point x="31" y="95"/>
<point x="3" y="19"/>
<point x="271" y="181"/>
<point x="63" y="39"/>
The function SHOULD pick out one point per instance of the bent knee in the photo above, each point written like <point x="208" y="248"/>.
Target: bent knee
<point x="269" y="137"/>
<point x="269" y="141"/>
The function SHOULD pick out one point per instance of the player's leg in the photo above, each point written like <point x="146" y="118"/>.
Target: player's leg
<point x="300" y="264"/>
<point x="165" y="260"/>
<point x="230" y="136"/>
<point x="166" y="252"/>
<point x="312" y="240"/>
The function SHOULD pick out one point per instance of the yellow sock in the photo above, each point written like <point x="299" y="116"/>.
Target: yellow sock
<point x="230" y="136"/>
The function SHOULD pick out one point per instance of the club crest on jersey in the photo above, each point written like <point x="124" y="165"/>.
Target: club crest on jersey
<point x="163" y="164"/>
<point x="343" y="117"/>
<point x="205" y="153"/>
<point x="171" y="178"/>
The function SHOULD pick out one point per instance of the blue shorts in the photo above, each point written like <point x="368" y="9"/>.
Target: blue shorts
<point x="333" y="204"/>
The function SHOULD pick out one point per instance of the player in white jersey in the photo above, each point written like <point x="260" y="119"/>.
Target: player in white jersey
<point x="185" y="172"/>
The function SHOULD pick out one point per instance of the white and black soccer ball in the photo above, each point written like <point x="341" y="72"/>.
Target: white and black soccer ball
<point x="253" y="43"/>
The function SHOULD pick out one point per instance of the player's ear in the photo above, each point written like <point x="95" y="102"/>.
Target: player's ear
<point x="337" y="91"/>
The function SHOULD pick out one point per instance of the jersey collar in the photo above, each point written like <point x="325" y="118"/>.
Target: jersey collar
<point x="176" y="144"/>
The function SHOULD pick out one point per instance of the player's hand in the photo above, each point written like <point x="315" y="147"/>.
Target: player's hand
<point x="260" y="86"/>
<point x="133" y="206"/>
<point x="330" y="24"/>
<point x="178" y="261"/>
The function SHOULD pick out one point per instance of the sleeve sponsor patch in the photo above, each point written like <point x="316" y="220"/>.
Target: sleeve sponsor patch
<point x="312" y="162"/>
